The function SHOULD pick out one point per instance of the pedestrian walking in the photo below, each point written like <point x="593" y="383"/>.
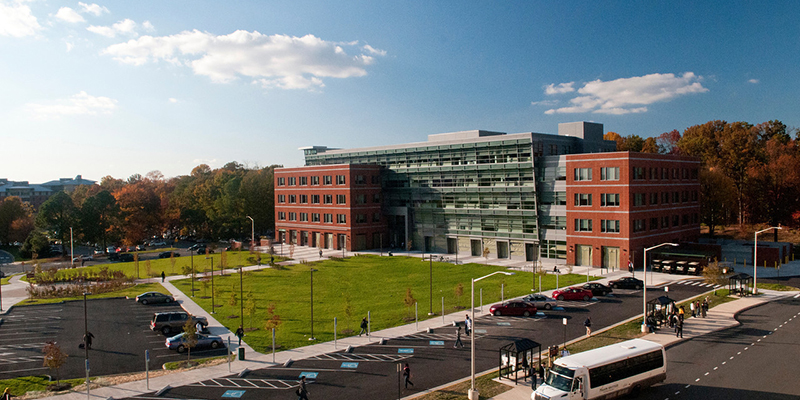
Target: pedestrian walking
<point x="679" y="328"/>
<point x="6" y="394"/>
<point x="704" y="307"/>
<point x="163" y="276"/>
<point x="467" y="324"/>
<point x="320" y="253"/>
<point x="407" y="375"/>
<point x="364" y="325"/>
<point x="240" y="334"/>
<point x="302" y="391"/>
<point x="458" y="338"/>
<point x="681" y="311"/>
<point x="588" y="325"/>
<point x="692" y="309"/>
<point x="87" y="340"/>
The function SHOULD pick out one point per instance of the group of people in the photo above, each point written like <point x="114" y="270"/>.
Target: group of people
<point x="699" y="309"/>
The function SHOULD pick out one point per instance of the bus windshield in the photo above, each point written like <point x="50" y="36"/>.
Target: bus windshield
<point x="559" y="382"/>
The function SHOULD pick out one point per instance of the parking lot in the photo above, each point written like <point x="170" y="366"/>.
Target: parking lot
<point x="121" y="335"/>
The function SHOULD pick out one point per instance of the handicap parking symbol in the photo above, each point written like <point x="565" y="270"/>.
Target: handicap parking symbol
<point x="437" y="342"/>
<point x="233" y="394"/>
<point x="349" y="365"/>
<point x="405" y="351"/>
<point x="309" y="375"/>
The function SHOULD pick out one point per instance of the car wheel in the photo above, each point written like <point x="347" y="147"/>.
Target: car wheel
<point x="560" y="297"/>
<point x="637" y="287"/>
<point x="215" y="345"/>
<point x="615" y="286"/>
<point x="497" y="313"/>
<point x="181" y="349"/>
<point x="526" y="314"/>
<point x="168" y="300"/>
<point x="144" y="302"/>
<point x="586" y="298"/>
<point x="165" y="330"/>
<point x="547" y="306"/>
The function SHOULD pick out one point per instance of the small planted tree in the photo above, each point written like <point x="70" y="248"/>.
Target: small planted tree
<point x="148" y="269"/>
<point x="189" y="338"/>
<point x="234" y="300"/>
<point x="459" y="292"/>
<point x="409" y="300"/>
<point x="250" y="309"/>
<point x="172" y="261"/>
<point x="54" y="358"/>
<point x="714" y="274"/>
<point x="272" y="320"/>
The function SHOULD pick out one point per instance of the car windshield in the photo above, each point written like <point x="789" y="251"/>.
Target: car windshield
<point x="558" y="381"/>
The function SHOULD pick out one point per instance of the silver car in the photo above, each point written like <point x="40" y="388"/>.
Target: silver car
<point x="540" y="301"/>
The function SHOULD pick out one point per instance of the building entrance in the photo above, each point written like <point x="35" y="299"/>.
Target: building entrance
<point x="502" y="249"/>
<point x="531" y="252"/>
<point x="583" y="254"/>
<point x="611" y="258"/>
<point x="476" y="247"/>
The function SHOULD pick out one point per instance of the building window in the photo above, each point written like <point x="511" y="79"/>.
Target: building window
<point x="609" y="200"/>
<point x="292" y="181"/>
<point x="676" y="197"/>
<point x="685" y="196"/>
<point x="303" y="199"/>
<point x="583" y="225"/>
<point x="609" y="225"/>
<point x="328" y="218"/>
<point x="303" y="217"/>
<point x="314" y="199"/>
<point x="315" y="217"/>
<point x="361" y="218"/>
<point x="375" y="179"/>
<point x="341" y="218"/>
<point x="665" y="222"/>
<point x="327" y="180"/>
<point x="583" y="199"/>
<point x="639" y="225"/>
<point x="685" y="219"/>
<point x="376" y="198"/>
<point x="638" y="173"/>
<point x="361" y="199"/>
<point x="303" y="181"/>
<point x="340" y="180"/>
<point x="609" y="174"/>
<point x="376" y="217"/>
<point x="315" y="180"/>
<point x="664" y="197"/>
<point x="327" y="199"/>
<point x="653" y="224"/>
<point x="281" y="181"/>
<point x="583" y="174"/>
<point x="292" y="199"/>
<point x="553" y="149"/>
<point x="360" y="179"/>
<point x="676" y="220"/>
<point x="281" y="216"/>
<point x="694" y="196"/>
<point x="281" y="198"/>
<point x="292" y="216"/>
<point x="653" y="198"/>
<point x="341" y="199"/>
<point x="639" y="199"/>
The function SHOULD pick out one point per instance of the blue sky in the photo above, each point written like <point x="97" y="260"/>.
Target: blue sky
<point x="124" y="87"/>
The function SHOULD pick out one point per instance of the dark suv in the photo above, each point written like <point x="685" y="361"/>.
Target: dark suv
<point x="167" y="322"/>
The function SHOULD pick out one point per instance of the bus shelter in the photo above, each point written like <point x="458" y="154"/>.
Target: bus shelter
<point x="740" y="284"/>
<point x="517" y="357"/>
<point x="659" y="309"/>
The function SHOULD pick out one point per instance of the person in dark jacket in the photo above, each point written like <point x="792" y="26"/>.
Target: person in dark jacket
<point x="407" y="375"/>
<point x="240" y="334"/>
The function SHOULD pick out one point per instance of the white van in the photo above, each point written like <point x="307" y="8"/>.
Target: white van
<point x="605" y="373"/>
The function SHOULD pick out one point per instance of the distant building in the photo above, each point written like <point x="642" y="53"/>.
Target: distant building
<point x="36" y="194"/>
<point x="522" y="196"/>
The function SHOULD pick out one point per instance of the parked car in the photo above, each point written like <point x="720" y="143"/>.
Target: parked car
<point x="83" y="258"/>
<point x="573" y="293"/>
<point x="141" y="247"/>
<point x="126" y="257"/>
<point x="201" y="249"/>
<point x="167" y="322"/>
<point x="168" y="254"/>
<point x="154" y="297"/>
<point x="155" y="243"/>
<point x="112" y="249"/>
<point x="178" y="342"/>
<point x="627" y="282"/>
<point x="540" y="301"/>
<point x="598" y="289"/>
<point x="513" y="307"/>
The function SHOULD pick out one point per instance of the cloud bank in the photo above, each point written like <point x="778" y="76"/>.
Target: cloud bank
<point x="272" y="61"/>
<point x="16" y="20"/>
<point x="626" y="95"/>
<point x="79" y="104"/>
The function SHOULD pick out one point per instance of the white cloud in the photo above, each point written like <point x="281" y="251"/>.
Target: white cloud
<point x="148" y="26"/>
<point x="544" y="103"/>
<point x="628" y="95"/>
<point x="69" y="15"/>
<point x="373" y="50"/>
<point x="17" y="20"/>
<point x="173" y="100"/>
<point x="93" y="9"/>
<point x="125" y="27"/>
<point x="753" y="81"/>
<point x="560" y="88"/>
<point x="279" y="61"/>
<point x="79" y="104"/>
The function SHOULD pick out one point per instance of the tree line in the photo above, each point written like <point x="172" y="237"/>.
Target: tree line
<point x="750" y="173"/>
<point x="209" y="204"/>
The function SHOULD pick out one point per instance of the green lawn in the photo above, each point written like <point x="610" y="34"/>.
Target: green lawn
<point x="131" y="291"/>
<point x="348" y="289"/>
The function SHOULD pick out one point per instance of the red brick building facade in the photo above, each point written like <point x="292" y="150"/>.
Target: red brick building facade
<point x="620" y="203"/>
<point x="330" y="206"/>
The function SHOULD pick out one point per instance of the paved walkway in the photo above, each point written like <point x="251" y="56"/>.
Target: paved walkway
<point x="719" y="318"/>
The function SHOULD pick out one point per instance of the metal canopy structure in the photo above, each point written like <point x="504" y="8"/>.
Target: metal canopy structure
<point x="740" y="283"/>
<point x="659" y="309"/>
<point x="517" y="357"/>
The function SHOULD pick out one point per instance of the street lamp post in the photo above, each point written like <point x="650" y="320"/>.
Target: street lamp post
<point x="241" y="294"/>
<point x="252" y="232"/>
<point x="430" y="266"/>
<point x="644" y="294"/>
<point x="312" y="304"/>
<point x="755" y="255"/>
<point x="213" y="306"/>
<point x="71" y="250"/>
<point x="86" y="340"/>
<point x="472" y="393"/>
<point x="191" y="261"/>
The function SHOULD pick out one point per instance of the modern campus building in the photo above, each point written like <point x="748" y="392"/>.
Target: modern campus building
<point x="36" y="194"/>
<point x="523" y="196"/>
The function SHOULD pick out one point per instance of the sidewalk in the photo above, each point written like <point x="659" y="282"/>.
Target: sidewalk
<point x="718" y="318"/>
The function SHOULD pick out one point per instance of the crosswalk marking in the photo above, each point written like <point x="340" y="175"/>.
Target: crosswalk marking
<point x="237" y="383"/>
<point x="359" y="357"/>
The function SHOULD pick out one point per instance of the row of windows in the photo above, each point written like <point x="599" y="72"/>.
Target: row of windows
<point x="639" y="199"/>
<point x="637" y="173"/>
<point x="639" y="225"/>
<point x="328" y="218"/>
<point x="327" y="198"/>
<point x="326" y="180"/>
<point x="627" y="368"/>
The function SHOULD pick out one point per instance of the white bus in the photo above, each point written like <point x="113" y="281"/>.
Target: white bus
<point x="606" y="372"/>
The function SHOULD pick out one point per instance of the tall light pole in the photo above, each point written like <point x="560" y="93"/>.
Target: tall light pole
<point x="71" y="250"/>
<point x="472" y="393"/>
<point x="312" y="304"/>
<point x="213" y="307"/>
<point x="755" y="255"/>
<point x="644" y="294"/>
<point x="430" y="312"/>
<point x="191" y="261"/>
<point x="86" y="340"/>
<point x="252" y="232"/>
<point x="241" y="294"/>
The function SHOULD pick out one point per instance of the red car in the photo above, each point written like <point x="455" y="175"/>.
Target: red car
<point x="573" y="293"/>
<point x="514" y="307"/>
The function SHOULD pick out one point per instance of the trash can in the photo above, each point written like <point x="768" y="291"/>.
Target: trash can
<point x="241" y="353"/>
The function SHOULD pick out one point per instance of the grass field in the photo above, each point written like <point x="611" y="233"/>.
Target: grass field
<point x="131" y="291"/>
<point x="348" y="289"/>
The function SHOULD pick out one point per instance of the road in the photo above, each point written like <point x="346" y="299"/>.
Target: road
<point x="756" y="360"/>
